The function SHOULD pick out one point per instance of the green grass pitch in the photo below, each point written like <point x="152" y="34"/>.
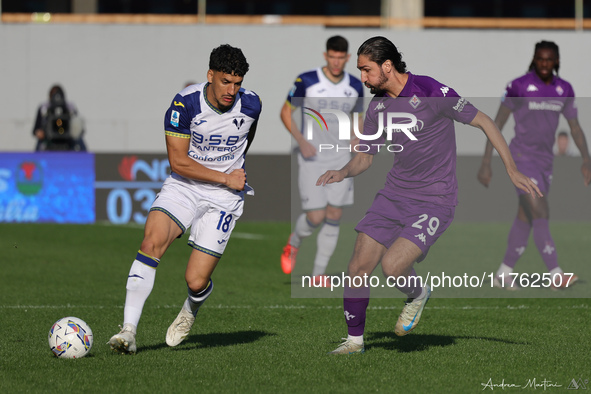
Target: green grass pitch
<point x="252" y="336"/>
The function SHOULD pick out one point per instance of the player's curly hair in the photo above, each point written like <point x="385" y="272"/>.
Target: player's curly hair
<point x="546" y="45"/>
<point x="379" y="49"/>
<point x="228" y="60"/>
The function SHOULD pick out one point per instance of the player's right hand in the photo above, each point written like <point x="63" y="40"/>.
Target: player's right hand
<point x="307" y="149"/>
<point x="330" y="176"/>
<point x="236" y="179"/>
<point x="484" y="174"/>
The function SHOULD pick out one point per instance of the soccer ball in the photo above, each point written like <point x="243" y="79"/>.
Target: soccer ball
<point x="70" y="337"/>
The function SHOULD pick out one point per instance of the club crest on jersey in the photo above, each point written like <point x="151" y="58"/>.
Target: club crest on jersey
<point x="238" y="123"/>
<point x="559" y="90"/>
<point x="174" y="118"/>
<point x="414" y="101"/>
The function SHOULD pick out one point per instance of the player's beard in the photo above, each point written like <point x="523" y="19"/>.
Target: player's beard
<point x="380" y="87"/>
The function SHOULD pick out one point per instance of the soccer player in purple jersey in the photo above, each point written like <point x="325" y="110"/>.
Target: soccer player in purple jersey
<point x="418" y="201"/>
<point x="536" y="100"/>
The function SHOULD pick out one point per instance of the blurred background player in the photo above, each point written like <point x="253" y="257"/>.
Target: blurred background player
<point x="208" y="128"/>
<point x="417" y="203"/>
<point x="58" y="125"/>
<point x="327" y="87"/>
<point x="563" y="146"/>
<point x="533" y="99"/>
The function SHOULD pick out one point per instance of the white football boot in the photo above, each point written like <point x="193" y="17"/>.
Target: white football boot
<point x="411" y="313"/>
<point x="180" y="327"/>
<point x="124" y="342"/>
<point x="348" y="347"/>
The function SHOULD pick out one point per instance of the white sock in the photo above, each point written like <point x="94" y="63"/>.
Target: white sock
<point x="504" y="270"/>
<point x="140" y="283"/>
<point x="326" y="242"/>
<point x="556" y="271"/>
<point x="423" y="293"/>
<point x="303" y="229"/>
<point x="355" y="339"/>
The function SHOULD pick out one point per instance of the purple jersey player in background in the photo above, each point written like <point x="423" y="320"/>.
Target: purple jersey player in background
<point x="536" y="99"/>
<point x="418" y="201"/>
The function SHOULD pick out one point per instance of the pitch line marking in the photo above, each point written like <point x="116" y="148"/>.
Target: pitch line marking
<point x="287" y="307"/>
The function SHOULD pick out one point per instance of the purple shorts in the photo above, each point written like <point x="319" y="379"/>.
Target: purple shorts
<point x="541" y="177"/>
<point x="420" y="222"/>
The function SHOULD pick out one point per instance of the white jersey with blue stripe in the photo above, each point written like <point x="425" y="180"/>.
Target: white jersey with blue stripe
<point x="314" y="92"/>
<point x="218" y="139"/>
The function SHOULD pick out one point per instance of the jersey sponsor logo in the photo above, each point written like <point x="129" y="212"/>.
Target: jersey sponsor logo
<point x="178" y="104"/>
<point x="414" y="101"/>
<point x="199" y="122"/>
<point x="551" y="105"/>
<point x="532" y="88"/>
<point x="460" y="105"/>
<point x="444" y="90"/>
<point x="174" y="118"/>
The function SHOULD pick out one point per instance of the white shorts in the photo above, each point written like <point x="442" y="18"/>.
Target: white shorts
<point x="211" y="212"/>
<point x="318" y="197"/>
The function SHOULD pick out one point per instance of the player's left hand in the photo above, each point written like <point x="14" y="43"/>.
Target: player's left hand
<point x="586" y="170"/>
<point x="525" y="184"/>
<point x="330" y="176"/>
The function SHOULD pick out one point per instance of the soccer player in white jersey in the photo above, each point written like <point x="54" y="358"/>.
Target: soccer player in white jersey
<point x="208" y="128"/>
<point x="327" y="87"/>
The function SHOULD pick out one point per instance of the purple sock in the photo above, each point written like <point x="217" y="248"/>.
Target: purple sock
<point x="516" y="242"/>
<point x="413" y="287"/>
<point x="545" y="243"/>
<point x="355" y="302"/>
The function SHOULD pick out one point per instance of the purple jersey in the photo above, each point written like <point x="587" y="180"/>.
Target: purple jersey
<point x="536" y="108"/>
<point x="425" y="169"/>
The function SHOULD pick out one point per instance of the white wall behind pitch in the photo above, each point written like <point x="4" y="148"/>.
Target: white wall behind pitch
<point x="123" y="77"/>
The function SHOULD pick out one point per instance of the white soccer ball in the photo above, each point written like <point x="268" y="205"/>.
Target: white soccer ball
<point x="70" y="337"/>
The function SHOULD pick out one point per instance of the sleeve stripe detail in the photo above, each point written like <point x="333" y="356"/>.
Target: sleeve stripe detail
<point x="175" y="134"/>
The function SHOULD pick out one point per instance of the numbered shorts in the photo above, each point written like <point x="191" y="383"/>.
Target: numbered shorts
<point x="314" y="197"/>
<point x="210" y="212"/>
<point x="420" y="222"/>
<point x="540" y="176"/>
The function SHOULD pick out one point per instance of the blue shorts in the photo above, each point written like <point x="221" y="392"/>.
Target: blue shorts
<point x="420" y="222"/>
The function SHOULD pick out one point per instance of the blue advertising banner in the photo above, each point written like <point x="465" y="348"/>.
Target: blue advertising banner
<point x="127" y="184"/>
<point x="47" y="187"/>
